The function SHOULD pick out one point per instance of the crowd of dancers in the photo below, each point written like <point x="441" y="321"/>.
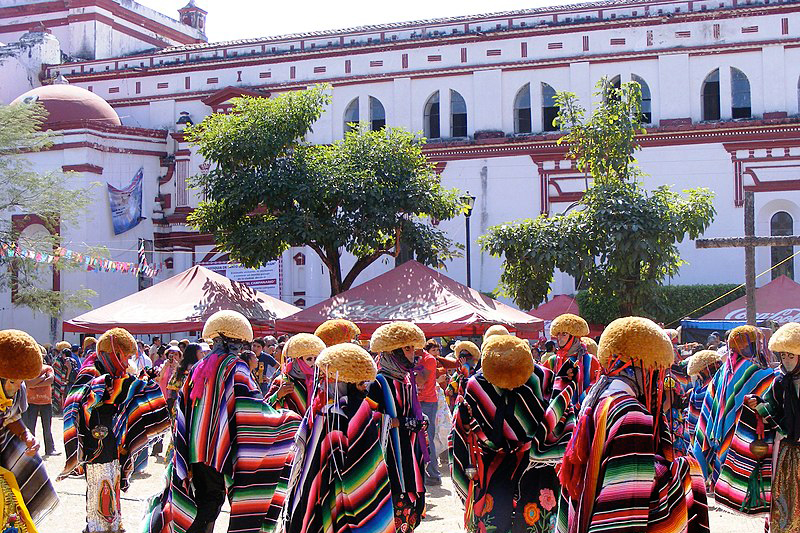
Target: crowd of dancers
<point x="629" y="434"/>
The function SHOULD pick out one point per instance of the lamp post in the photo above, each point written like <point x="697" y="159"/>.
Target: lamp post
<point x="469" y="202"/>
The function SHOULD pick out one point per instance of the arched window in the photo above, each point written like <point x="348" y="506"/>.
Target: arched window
<point x="781" y="224"/>
<point x="351" y="115"/>
<point x="710" y="93"/>
<point x="377" y="115"/>
<point x="431" y="126"/>
<point x="458" y="115"/>
<point x="647" y="103"/>
<point x="522" y="110"/>
<point x="740" y="94"/>
<point x="549" y="108"/>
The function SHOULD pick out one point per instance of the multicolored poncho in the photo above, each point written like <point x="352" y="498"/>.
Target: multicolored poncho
<point x="141" y="413"/>
<point x="228" y="427"/>
<point x="500" y="433"/>
<point x="296" y="401"/>
<point x="724" y="431"/>
<point x="588" y="368"/>
<point x="627" y="480"/>
<point x="339" y="481"/>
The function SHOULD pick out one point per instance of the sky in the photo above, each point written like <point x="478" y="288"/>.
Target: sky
<point x="242" y="19"/>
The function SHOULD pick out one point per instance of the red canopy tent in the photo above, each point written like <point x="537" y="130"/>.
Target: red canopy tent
<point x="778" y="300"/>
<point x="558" y="305"/>
<point x="415" y="292"/>
<point x="183" y="303"/>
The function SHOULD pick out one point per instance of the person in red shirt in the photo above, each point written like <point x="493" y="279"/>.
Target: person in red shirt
<point x="426" y="387"/>
<point x="40" y="404"/>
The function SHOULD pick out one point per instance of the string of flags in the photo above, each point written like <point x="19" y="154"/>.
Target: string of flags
<point x="90" y="263"/>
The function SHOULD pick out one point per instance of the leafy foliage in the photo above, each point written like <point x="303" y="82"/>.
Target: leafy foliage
<point x="50" y="198"/>
<point x="362" y="195"/>
<point x="621" y="239"/>
<point x="670" y="304"/>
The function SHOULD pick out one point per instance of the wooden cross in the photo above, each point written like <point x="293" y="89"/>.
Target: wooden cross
<point x="749" y="242"/>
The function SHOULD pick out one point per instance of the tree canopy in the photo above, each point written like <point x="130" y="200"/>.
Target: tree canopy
<point x="49" y="198"/>
<point x="620" y="239"/>
<point x="270" y="190"/>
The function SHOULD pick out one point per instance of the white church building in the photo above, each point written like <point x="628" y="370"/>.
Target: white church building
<point x="720" y="82"/>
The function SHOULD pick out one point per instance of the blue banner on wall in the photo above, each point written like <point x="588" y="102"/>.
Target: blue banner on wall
<point x="126" y="204"/>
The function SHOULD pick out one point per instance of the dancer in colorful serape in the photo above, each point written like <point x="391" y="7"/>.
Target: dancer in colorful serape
<point x="701" y="368"/>
<point x="227" y="440"/>
<point x="726" y="428"/>
<point x="339" y="480"/>
<point x="64" y="370"/>
<point x="506" y="437"/>
<point x="619" y="472"/>
<point x="291" y="390"/>
<point x="26" y="493"/>
<point x="567" y="330"/>
<point x="108" y="418"/>
<point x="469" y="359"/>
<point x="393" y="394"/>
<point x="780" y="406"/>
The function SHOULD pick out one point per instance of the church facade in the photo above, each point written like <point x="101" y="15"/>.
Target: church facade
<point x="720" y="83"/>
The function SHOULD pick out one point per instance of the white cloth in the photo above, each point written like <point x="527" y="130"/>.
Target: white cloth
<point x="444" y="421"/>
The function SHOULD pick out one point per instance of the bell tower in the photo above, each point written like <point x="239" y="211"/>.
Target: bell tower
<point x="193" y="16"/>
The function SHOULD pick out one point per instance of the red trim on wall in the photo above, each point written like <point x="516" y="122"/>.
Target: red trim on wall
<point x="19" y="223"/>
<point x="85" y="167"/>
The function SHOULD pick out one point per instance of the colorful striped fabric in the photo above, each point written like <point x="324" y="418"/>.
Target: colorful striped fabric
<point x="229" y="428"/>
<point x="532" y="429"/>
<point x="296" y="401"/>
<point x="339" y="480"/>
<point x="629" y="483"/>
<point x="588" y="370"/>
<point x="392" y="398"/>
<point x="141" y="413"/>
<point x="718" y="425"/>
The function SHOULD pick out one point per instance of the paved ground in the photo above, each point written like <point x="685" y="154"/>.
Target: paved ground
<point x="445" y="513"/>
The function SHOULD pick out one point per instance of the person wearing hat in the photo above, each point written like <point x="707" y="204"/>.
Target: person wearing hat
<point x="620" y="472"/>
<point x="227" y="440"/>
<point x="292" y="389"/>
<point x="701" y="368"/>
<point x="394" y="395"/>
<point x="739" y="476"/>
<point x="567" y="330"/>
<point x="108" y="418"/>
<point x="29" y="495"/>
<point x="40" y="404"/>
<point x="339" y="480"/>
<point x="780" y="406"/>
<point x="268" y="366"/>
<point x="505" y="424"/>
<point x="64" y="370"/>
<point x="469" y="358"/>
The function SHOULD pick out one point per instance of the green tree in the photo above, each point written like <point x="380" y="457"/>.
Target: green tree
<point x="270" y="190"/>
<point x="47" y="197"/>
<point x="621" y="239"/>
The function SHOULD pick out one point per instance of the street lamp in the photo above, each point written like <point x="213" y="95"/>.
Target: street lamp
<point x="468" y="201"/>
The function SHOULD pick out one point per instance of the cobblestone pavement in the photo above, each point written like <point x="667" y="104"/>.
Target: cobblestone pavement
<point x="445" y="513"/>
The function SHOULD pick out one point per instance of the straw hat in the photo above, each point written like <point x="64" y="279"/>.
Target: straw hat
<point x="303" y="345"/>
<point x="569" y="323"/>
<point x="337" y="331"/>
<point x="497" y="329"/>
<point x="230" y="324"/>
<point x="590" y="345"/>
<point x="786" y="339"/>
<point x="117" y="341"/>
<point x="468" y="346"/>
<point x="62" y="345"/>
<point x="507" y="361"/>
<point x="638" y="339"/>
<point x="396" y="335"/>
<point x="20" y="357"/>
<point x="88" y="342"/>
<point x="347" y="362"/>
<point x="742" y="336"/>
<point x="702" y="360"/>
